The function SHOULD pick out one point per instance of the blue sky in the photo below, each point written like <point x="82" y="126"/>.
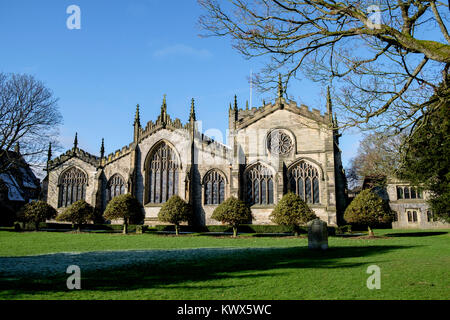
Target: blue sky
<point x="130" y="52"/>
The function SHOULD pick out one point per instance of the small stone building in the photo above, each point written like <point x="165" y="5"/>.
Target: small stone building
<point x="409" y="203"/>
<point x="276" y="148"/>
<point x="410" y="206"/>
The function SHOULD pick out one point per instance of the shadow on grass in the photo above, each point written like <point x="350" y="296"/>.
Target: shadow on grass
<point x="185" y="268"/>
<point x="416" y="234"/>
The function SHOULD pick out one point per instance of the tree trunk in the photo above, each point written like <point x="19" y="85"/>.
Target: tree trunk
<point x="79" y="227"/>
<point x="36" y="226"/>
<point x="234" y="231"/>
<point x="371" y="234"/>
<point x="176" y="230"/>
<point x="125" y="226"/>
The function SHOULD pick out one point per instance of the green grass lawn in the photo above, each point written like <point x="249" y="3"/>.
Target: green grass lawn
<point x="414" y="265"/>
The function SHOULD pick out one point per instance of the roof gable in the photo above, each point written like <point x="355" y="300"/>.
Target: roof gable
<point x="246" y="117"/>
<point x="75" y="153"/>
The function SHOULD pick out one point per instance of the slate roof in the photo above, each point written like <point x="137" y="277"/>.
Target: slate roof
<point x="17" y="178"/>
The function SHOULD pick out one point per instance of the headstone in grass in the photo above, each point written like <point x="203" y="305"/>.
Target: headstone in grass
<point x="317" y="234"/>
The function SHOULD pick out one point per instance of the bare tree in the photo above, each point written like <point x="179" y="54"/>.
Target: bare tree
<point x="373" y="53"/>
<point x="29" y="119"/>
<point x="378" y="155"/>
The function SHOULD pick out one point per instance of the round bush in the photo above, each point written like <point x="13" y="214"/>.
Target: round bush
<point x="292" y="211"/>
<point x="36" y="212"/>
<point x="125" y="207"/>
<point x="175" y="211"/>
<point x="368" y="209"/>
<point x="233" y="212"/>
<point x="78" y="213"/>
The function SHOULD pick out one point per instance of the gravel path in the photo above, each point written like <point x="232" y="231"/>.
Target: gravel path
<point x="57" y="263"/>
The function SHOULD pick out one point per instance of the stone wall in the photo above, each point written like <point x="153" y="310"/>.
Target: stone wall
<point x="313" y="143"/>
<point x="182" y="147"/>
<point x="53" y="182"/>
<point x="119" y="166"/>
<point x="401" y="206"/>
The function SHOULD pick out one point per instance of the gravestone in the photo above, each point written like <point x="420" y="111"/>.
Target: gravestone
<point x="317" y="234"/>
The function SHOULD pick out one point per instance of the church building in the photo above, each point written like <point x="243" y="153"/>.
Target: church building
<point x="277" y="148"/>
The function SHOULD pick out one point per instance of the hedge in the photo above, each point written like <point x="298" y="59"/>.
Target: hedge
<point x="89" y="227"/>
<point x="245" y="228"/>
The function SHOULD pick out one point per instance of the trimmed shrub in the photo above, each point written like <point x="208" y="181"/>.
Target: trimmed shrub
<point x="368" y="209"/>
<point x="36" y="212"/>
<point x="175" y="211"/>
<point x="344" y="229"/>
<point x="125" y="207"/>
<point x="292" y="211"/>
<point x="78" y="213"/>
<point x="233" y="212"/>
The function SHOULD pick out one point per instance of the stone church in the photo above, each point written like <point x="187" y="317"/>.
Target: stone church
<point x="271" y="150"/>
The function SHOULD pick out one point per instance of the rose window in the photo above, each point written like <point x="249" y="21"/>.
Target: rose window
<point x="279" y="143"/>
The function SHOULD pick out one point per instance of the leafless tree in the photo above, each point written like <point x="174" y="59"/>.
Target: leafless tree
<point x="384" y="59"/>
<point x="29" y="119"/>
<point x="378" y="156"/>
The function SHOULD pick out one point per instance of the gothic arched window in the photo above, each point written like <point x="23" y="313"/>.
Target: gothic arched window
<point x="214" y="184"/>
<point x="115" y="186"/>
<point x="72" y="187"/>
<point x="259" y="182"/>
<point x="162" y="174"/>
<point x="304" y="181"/>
